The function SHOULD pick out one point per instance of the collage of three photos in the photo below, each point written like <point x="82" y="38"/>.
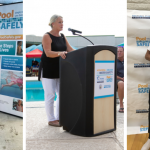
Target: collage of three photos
<point x="72" y="81"/>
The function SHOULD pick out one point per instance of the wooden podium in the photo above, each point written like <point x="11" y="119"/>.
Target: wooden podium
<point x="88" y="90"/>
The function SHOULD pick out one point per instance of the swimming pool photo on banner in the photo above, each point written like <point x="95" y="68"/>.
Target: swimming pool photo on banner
<point x="11" y="83"/>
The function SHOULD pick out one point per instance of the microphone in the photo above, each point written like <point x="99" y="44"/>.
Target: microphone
<point x="72" y="30"/>
<point x="74" y="33"/>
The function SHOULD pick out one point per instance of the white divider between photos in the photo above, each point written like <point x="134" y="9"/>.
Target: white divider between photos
<point x="11" y="59"/>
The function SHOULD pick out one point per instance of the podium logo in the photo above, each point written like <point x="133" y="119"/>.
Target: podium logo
<point x="143" y="88"/>
<point x="143" y="128"/>
<point x="8" y="15"/>
<point x="109" y="79"/>
<point x="101" y="69"/>
<point x="107" y="86"/>
<point x="100" y="80"/>
<point x="100" y="86"/>
<point x="142" y="41"/>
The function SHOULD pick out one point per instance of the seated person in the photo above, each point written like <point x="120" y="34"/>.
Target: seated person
<point x="37" y="66"/>
<point x="120" y="76"/>
<point x="28" y="68"/>
<point x="33" y="64"/>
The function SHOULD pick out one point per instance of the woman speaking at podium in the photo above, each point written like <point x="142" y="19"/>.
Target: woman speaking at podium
<point x="55" y="45"/>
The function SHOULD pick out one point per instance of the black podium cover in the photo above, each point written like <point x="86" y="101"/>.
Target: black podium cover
<point x="81" y="112"/>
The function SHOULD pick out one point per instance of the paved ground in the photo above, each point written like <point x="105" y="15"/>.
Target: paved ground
<point x="11" y="133"/>
<point x="40" y="136"/>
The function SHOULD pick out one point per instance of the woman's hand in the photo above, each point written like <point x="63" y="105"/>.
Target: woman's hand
<point x="63" y="54"/>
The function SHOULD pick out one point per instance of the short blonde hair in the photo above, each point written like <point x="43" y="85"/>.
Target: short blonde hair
<point x="53" y="19"/>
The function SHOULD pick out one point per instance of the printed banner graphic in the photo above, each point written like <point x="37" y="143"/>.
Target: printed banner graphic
<point x="12" y="63"/>
<point x="104" y="79"/>
<point x="11" y="19"/>
<point x="7" y="47"/>
<point x="11" y="59"/>
<point x="11" y="83"/>
<point x="138" y="68"/>
<point x="11" y="37"/>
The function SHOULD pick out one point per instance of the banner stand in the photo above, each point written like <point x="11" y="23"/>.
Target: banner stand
<point x="11" y="59"/>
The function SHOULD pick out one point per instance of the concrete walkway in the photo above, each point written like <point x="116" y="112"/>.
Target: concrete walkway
<point x="40" y="136"/>
<point x="11" y="132"/>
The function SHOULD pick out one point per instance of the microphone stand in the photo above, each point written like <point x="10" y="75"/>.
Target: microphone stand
<point x="82" y="36"/>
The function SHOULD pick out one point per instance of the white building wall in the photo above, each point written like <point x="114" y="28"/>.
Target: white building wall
<point x="79" y="42"/>
<point x="97" y="40"/>
<point x="33" y="38"/>
<point x="118" y="40"/>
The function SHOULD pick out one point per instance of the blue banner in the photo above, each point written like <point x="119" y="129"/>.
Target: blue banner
<point x="11" y="58"/>
<point x="12" y="63"/>
<point x="7" y="47"/>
